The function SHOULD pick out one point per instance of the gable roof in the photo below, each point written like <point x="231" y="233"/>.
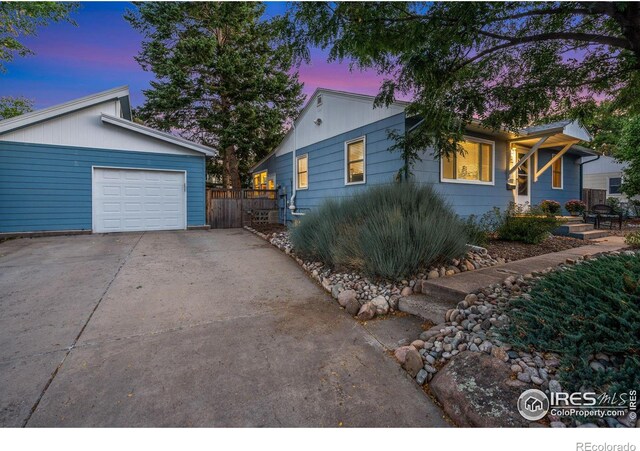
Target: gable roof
<point x="24" y="120"/>
<point x="311" y="101"/>
<point x="120" y="94"/>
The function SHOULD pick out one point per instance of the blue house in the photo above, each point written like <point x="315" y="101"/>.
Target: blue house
<point x="85" y="166"/>
<point x="339" y="145"/>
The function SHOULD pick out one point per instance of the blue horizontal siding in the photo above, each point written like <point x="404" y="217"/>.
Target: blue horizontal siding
<point x="542" y="189"/>
<point x="46" y="187"/>
<point x="474" y="199"/>
<point x="327" y="163"/>
<point x="327" y="166"/>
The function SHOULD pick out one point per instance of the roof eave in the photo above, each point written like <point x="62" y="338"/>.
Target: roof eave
<point x="167" y="137"/>
<point x="35" y="117"/>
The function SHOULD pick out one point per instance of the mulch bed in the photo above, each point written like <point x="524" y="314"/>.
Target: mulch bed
<point x="269" y="228"/>
<point x="628" y="226"/>
<point x="514" y="250"/>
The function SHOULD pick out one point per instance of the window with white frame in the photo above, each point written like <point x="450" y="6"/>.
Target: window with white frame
<point x="556" y="173"/>
<point x="615" y="183"/>
<point x="355" y="151"/>
<point x="474" y="165"/>
<point x="302" y="171"/>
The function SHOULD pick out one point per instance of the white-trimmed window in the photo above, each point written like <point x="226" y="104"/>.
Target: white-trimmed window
<point x="615" y="183"/>
<point x="302" y="171"/>
<point x="355" y="161"/>
<point x="260" y="180"/>
<point x="475" y="165"/>
<point x="556" y="173"/>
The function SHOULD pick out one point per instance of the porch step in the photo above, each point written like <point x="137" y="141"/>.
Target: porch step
<point x="589" y="234"/>
<point x="572" y="219"/>
<point x="580" y="231"/>
<point x="567" y="229"/>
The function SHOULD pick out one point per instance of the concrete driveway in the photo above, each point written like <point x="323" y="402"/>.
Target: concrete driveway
<point x="199" y="328"/>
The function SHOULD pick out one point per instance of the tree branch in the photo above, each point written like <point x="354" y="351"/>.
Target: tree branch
<point x="569" y="36"/>
<point x="544" y="12"/>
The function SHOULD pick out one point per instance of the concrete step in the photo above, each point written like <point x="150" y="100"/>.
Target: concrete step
<point x="572" y="219"/>
<point x="589" y="234"/>
<point x="566" y="229"/>
<point x="426" y="307"/>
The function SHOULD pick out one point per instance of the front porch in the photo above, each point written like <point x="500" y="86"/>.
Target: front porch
<point x="544" y="163"/>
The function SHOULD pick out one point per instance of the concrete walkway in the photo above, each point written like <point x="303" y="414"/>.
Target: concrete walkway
<point x="200" y="328"/>
<point x="443" y="293"/>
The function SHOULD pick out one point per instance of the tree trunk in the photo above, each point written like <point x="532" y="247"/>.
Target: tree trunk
<point x="230" y="168"/>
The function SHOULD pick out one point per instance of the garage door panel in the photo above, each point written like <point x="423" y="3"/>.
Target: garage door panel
<point x="135" y="200"/>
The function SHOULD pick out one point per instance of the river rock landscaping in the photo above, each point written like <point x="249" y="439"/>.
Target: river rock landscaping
<point x="366" y="298"/>
<point x="477" y="325"/>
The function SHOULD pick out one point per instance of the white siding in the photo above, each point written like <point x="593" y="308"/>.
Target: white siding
<point x="84" y="128"/>
<point x="602" y="165"/>
<point x="339" y="113"/>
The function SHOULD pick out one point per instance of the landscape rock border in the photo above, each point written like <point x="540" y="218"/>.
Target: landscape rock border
<point x="474" y="326"/>
<point x="364" y="298"/>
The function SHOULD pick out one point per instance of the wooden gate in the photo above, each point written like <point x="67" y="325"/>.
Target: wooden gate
<point x="229" y="208"/>
<point x="593" y="197"/>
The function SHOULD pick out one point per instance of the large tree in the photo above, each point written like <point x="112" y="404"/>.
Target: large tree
<point x="504" y="64"/>
<point x="14" y="106"/>
<point x="18" y="20"/>
<point x="221" y="78"/>
<point x="627" y="149"/>
<point x="21" y="19"/>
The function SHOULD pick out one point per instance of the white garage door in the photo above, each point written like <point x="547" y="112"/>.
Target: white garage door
<point x="133" y="199"/>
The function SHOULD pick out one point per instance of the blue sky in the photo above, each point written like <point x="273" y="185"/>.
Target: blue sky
<point x="98" y="54"/>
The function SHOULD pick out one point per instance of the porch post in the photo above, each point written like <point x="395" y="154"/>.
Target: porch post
<point x="533" y="150"/>
<point x="553" y="160"/>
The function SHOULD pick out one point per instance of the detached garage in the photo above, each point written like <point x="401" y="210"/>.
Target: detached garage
<point x="85" y="166"/>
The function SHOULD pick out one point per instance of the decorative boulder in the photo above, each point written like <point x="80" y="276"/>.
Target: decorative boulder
<point x="352" y="307"/>
<point x="367" y="311"/>
<point x="412" y="362"/>
<point x="381" y="305"/>
<point x="401" y="353"/>
<point x="473" y="389"/>
<point x="344" y="297"/>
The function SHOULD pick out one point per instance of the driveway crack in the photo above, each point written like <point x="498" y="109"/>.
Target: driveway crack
<point x="84" y="326"/>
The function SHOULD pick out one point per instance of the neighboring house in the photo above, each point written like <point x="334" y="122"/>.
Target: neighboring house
<point x="85" y="166"/>
<point x="339" y="145"/>
<point x="605" y="173"/>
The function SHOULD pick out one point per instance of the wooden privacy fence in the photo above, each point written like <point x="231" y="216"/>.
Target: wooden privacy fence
<point x="229" y="208"/>
<point x="593" y="197"/>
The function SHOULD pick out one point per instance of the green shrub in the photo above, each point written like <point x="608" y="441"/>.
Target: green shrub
<point x="530" y="227"/>
<point x="550" y="207"/>
<point x="482" y="228"/>
<point x="614" y="203"/>
<point x="634" y="207"/>
<point x="388" y="231"/>
<point x="590" y="308"/>
<point x="633" y="239"/>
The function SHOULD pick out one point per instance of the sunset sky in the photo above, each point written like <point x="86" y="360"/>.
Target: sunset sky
<point x="98" y="54"/>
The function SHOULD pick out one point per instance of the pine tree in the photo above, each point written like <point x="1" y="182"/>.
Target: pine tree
<point x="222" y="79"/>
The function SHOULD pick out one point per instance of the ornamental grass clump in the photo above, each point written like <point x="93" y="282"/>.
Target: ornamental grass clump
<point x="388" y="231"/>
<point x="588" y="309"/>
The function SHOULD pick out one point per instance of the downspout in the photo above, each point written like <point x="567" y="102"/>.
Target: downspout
<point x="292" y="202"/>
<point x="581" y="172"/>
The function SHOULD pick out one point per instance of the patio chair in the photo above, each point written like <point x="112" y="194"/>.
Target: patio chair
<point x="603" y="213"/>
